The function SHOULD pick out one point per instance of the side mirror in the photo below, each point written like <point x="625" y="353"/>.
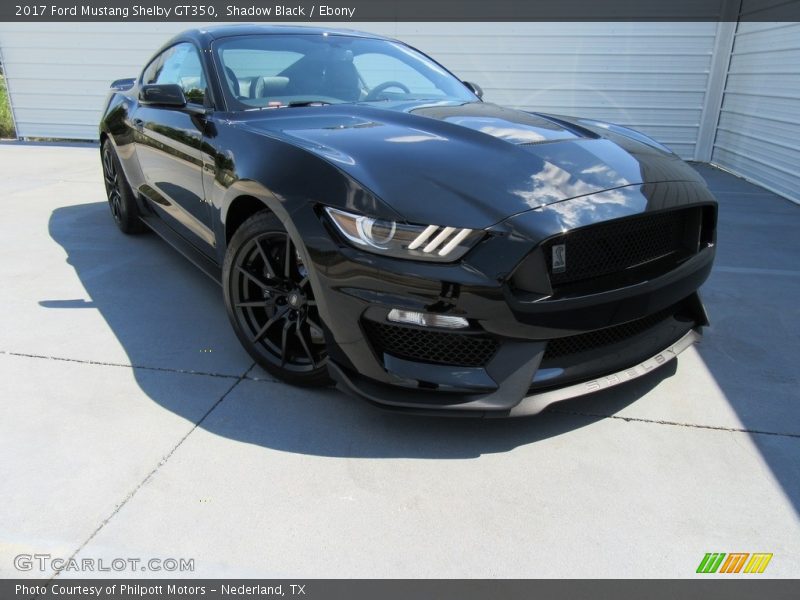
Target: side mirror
<point x="474" y="88"/>
<point x="163" y="94"/>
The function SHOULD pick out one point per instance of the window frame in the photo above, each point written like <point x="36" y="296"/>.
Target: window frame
<point x="208" y="100"/>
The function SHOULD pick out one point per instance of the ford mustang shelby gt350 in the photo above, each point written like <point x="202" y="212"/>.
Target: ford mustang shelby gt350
<point x="373" y="222"/>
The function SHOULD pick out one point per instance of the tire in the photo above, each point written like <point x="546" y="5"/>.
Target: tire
<point x="120" y="196"/>
<point x="271" y="304"/>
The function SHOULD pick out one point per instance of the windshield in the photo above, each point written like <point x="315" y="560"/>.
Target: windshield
<point x="263" y="71"/>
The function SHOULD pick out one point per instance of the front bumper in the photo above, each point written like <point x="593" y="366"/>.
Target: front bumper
<point x="532" y="402"/>
<point x="646" y="323"/>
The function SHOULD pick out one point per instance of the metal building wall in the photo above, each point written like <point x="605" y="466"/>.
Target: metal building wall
<point x="651" y="76"/>
<point x="758" y="134"/>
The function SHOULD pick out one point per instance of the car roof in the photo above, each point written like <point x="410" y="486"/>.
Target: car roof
<point x="205" y="35"/>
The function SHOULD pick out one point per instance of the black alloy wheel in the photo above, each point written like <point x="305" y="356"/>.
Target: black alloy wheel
<point x="270" y="302"/>
<point x="119" y="193"/>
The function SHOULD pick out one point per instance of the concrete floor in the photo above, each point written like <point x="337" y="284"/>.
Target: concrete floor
<point x="133" y="425"/>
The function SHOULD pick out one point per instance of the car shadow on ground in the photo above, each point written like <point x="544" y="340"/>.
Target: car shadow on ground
<point x="163" y="311"/>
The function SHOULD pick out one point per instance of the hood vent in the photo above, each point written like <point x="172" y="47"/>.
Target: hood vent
<point x="539" y="142"/>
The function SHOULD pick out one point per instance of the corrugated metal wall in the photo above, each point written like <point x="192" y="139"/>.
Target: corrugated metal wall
<point x="58" y="73"/>
<point x="758" y="135"/>
<point x="650" y="76"/>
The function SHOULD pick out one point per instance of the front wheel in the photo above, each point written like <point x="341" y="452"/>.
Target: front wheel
<point x="270" y="303"/>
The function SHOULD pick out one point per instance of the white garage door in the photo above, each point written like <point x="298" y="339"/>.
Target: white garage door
<point x="758" y="135"/>
<point x="650" y="76"/>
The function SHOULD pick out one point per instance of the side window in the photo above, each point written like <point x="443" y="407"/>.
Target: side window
<point x="179" y="64"/>
<point x="151" y="72"/>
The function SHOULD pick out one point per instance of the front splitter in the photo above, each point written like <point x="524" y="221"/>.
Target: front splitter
<point x="536" y="403"/>
<point x="412" y="401"/>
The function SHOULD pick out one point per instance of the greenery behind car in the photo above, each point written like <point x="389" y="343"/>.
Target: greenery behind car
<point x="6" y="123"/>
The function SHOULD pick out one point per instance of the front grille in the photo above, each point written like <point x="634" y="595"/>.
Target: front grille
<point x="422" y="345"/>
<point x="598" y="251"/>
<point x="575" y="344"/>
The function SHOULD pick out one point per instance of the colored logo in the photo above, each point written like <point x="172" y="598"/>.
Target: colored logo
<point x="735" y="562"/>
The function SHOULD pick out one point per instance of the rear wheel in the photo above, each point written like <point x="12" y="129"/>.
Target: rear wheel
<point x="120" y="196"/>
<point x="270" y="303"/>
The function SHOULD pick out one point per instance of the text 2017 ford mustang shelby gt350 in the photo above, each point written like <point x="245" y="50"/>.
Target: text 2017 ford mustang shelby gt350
<point x="374" y="222"/>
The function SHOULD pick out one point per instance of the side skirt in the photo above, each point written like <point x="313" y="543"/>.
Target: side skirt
<point x="169" y="235"/>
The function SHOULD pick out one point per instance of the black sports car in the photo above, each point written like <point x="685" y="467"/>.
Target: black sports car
<point x="374" y="222"/>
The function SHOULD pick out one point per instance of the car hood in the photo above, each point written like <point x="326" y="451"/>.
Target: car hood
<point x="470" y="165"/>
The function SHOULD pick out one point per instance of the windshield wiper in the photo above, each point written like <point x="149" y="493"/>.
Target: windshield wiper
<point x="292" y="104"/>
<point x="295" y="103"/>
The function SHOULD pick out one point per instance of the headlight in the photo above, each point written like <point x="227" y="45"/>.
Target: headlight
<point x="416" y="242"/>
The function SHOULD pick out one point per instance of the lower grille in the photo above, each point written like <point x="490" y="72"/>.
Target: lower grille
<point x="604" y="249"/>
<point x="583" y="342"/>
<point x="422" y="345"/>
